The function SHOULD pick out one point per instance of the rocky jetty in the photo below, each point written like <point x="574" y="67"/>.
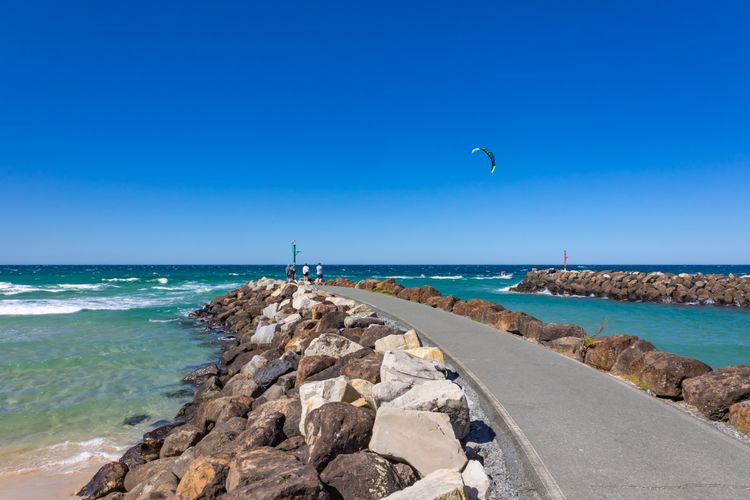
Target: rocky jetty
<point x="720" y="289"/>
<point x="314" y="396"/>
<point x="719" y="395"/>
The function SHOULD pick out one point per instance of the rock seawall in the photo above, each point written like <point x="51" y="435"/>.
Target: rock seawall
<point x="719" y="395"/>
<point x="314" y="396"/>
<point x="683" y="288"/>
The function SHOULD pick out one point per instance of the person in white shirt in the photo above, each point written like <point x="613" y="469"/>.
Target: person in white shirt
<point x="319" y="274"/>
<point x="306" y="272"/>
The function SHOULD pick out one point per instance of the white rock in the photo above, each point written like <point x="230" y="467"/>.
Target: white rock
<point x="398" y="365"/>
<point x="432" y="353"/>
<point x="423" y="439"/>
<point x="443" y="484"/>
<point x="441" y="396"/>
<point x="303" y="302"/>
<point x="330" y="344"/>
<point x="252" y="366"/>
<point x="388" y="391"/>
<point x="476" y="482"/>
<point x="360" y="309"/>
<point x="264" y="334"/>
<point x="315" y="394"/>
<point x="340" y="301"/>
<point x="364" y="389"/>
<point x="408" y="340"/>
<point x="270" y="310"/>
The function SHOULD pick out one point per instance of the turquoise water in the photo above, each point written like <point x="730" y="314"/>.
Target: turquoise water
<point x="83" y="347"/>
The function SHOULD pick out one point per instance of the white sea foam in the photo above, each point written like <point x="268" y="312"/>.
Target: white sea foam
<point x="121" y="279"/>
<point x="745" y="276"/>
<point x="66" y="457"/>
<point x="504" y="289"/>
<point x="82" y="286"/>
<point x="163" y="281"/>
<point x="191" y="286"/>
<point x="69" y="306"/>
<point x="233" y="274"/>
<point x="421" y="276"/>
<point x="163" y="320"/>
<point x="455" y="277"/>
<point x="501" y="276"/>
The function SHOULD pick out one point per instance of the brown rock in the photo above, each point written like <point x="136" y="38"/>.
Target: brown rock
<point x="365" y="475"/>
<point x="319" y="310"/>
<point x="221" y="438"/>
<point x="109" y="478"/>
<point x="373" y="333"/>
<point x="445" y="303"/>
<point x="331" y="321"/>
<point x="336" y="428"/>
<point x="270" y="473"/>
<point x="141" y="473"/>
<point x="310" y="365"/>
<point x="630" y="361"/>
<point x="204" y="478"/>
<point x="425" y="293"/>
<point x="155" y="438"/>
<point x="209" y="389"/>
<point x="739" y="416"/>
<point x="265" y="429"/>
<point x="714" y="392"/>
<point x="241" y="385"/>
<point x="162" y="484"/>
<point x="200" y="375"/>
<point x="221" y="409"/>
<point x="571" y="347"/>
<point x="476" y="309"/>
<point x="290" y="407"/>
<point x="604" y="351"/>
<point x="367" y="368"/>
<point x="663" y="372"/>
<point x="512" y="322"/>
<point x="180" y="439"/>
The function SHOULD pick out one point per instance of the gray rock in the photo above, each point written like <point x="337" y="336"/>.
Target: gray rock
<point x="403" y="367"/>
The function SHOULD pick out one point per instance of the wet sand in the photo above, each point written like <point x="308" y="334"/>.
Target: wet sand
<point x="44" y="485"/>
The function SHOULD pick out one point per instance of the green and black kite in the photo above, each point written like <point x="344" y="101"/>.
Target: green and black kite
<point x="489" y="155"/>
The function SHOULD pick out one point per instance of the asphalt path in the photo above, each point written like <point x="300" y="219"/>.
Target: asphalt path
<point x="585" y="433"/>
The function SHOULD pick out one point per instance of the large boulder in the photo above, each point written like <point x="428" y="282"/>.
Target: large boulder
<point x="423" y="439"/>
<point x="604" y="351"/>
<point x="388" y="391"/>
<point x="315" y="394"/>
<point x="221" y="438"/>
<point x="367" y="367"/>
<point x="330" y="344"/>
<point x="547" y="332"/>
<point x="373" y="333"/>
<point x="109" y="478"/>
<point x="241" y="385"/>
<point x="200" y="375"/>
<point x="398" y="365"/>
<point x="251" y="367"/>
<point x="663" y="372"/>
<point x="571" y="347"/>
<point x="408" y="340"/>
<point x="477" y="309"/>
<point x="364" y="475"/>
<point x="739" y="416"/>
<point x="270" y="373"/>
<point x="362" y="320"/>
<point x="204" y="478"/>
<point x="141" y="473"/>
<point x="162" y="484"/>
<point x="630" y="360"/>
<point x="264" y="333"/>
<point x="512" y="321"/>
<point x="332" y="321"/>
<point x="442" y="484"/>
<point x="290" y="407"/>
<point x="445" y="303"/>
<point x="179" y="440"/>
<point x="221" y="409"/>
<point x="431" y="353"/>
<point x="336" y="428"/>
<point x="714" y="392"/>
<point x="310" y="365"/>
<point x="440" y="396"/>
<point x="271" y="473"/>
<point x="476" y="482"/>
<point x="264" y="429"/>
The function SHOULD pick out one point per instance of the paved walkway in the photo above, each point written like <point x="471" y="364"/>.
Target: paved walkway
<point x="596" y="436"/>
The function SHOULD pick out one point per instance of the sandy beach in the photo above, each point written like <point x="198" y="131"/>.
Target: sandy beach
<point x="44" y="485"/>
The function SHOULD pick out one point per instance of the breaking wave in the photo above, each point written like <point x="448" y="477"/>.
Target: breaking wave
<point x="121" y="279"/>
<point x="69" y="456"/>
<point x="456" y="277"/>
<point x="69" y="306"/>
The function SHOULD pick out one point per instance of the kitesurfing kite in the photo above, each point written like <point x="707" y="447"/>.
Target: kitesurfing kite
<point x="489" y="155"/>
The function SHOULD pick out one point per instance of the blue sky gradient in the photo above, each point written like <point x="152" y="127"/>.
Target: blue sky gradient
<point x="216" y="132"/>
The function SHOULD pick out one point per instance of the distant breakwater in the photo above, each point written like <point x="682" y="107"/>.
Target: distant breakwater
<point x="719" y="289"/>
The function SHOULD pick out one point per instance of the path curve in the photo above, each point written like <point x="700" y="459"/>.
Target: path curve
<point x="595" y="435"/>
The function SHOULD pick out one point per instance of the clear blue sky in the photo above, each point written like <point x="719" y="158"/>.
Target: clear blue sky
<point x="215" y="132"/>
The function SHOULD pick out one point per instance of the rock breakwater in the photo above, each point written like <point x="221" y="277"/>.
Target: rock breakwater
<point x="683" y="288"/>
<point x="720" y="395"/>
<point x="314" y="396"/>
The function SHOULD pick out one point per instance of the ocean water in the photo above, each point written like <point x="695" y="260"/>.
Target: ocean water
<point x="83" y="347"/>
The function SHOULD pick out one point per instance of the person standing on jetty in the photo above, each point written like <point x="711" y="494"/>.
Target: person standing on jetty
<point x="288" y="272"/>
<point x="319" y="274"/>
<point x="306" y="273"/>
